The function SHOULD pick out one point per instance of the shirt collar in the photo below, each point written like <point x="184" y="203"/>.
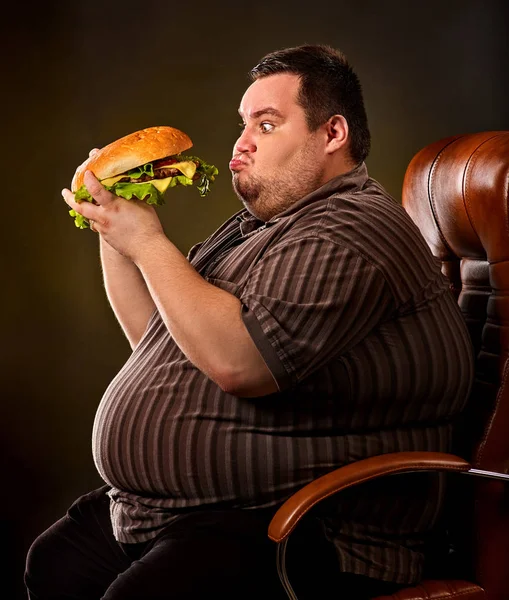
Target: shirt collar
<point x="346" y="182"/>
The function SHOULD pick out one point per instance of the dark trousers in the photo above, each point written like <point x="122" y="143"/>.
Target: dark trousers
<point x="224" y="554"/>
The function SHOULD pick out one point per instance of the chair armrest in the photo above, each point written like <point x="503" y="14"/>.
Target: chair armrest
<point x="289" y="514"/>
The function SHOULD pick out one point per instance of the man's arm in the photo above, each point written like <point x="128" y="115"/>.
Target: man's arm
<point x="127" y="293"/>
<point x="204" y="320"/>
<point x="126" y="290"/>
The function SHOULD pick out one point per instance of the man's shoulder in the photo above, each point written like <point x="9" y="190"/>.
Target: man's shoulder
<point x="344" y="215"/>
<point x="372" y="225"/>
<point x="371" y="212"/>
<point x="372" y="197"/>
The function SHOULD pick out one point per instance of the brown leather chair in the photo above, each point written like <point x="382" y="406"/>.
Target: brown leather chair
<point x="456" y="190"/>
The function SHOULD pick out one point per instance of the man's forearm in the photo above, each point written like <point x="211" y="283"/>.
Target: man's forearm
<point x="204" y="321"/>
<point x="127" y="293"/>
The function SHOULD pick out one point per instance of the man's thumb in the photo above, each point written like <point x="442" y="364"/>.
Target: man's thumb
<point x="93" y="185"/>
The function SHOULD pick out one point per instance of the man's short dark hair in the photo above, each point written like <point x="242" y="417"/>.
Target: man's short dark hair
<point x="328" y="86"/>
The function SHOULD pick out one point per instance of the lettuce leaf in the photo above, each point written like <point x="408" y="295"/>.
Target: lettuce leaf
<point x="208" y="173"/>
<point x="180" y="180"/>
<point x="146" y="191"/>
<point x="79" y="220"/>
<point x="140" y="191"/>
<point x="146" y="169"/>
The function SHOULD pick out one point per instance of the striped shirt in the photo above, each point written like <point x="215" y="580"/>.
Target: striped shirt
<point x="353" y="317"/>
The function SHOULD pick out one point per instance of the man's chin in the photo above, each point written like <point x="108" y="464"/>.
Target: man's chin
<point x="250" y="204"/>
<point x="246" y="192"/>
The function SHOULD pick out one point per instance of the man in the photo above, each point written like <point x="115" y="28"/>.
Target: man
<point x="312" y="329"/>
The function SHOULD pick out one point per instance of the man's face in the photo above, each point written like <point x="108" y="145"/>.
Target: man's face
<point x="276" y="160"/>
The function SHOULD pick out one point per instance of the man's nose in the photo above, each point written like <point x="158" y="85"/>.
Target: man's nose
<point x="245" y="143"/>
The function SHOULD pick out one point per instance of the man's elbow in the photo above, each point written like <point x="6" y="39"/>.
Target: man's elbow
<point x="249" y="385"/>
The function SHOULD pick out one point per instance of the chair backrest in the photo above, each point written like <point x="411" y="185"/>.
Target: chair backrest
<point x="456" y="191"/>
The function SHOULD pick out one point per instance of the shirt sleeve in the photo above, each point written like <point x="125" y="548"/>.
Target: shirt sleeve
<point x="193" y="251"/>
<point x="308" y="301"/>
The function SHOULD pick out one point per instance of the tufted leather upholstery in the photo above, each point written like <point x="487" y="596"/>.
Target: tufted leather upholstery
<point x="457" y="192"/>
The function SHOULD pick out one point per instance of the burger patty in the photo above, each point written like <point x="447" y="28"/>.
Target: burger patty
<point x="158" y="174"/>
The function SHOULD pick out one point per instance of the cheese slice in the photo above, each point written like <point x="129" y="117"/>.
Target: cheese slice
<point x="111" y="180"/>
<point x="161" y="184"/>
<point x="186" y="167"/>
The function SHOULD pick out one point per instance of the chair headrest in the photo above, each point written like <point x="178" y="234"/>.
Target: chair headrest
<point x="456" y="190"/>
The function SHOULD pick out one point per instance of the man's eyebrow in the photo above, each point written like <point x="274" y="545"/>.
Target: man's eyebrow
<point x="265" y="111"/>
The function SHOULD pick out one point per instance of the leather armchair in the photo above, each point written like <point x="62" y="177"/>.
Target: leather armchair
<point x="456" y="191"/>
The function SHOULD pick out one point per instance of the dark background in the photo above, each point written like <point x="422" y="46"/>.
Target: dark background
<point x="79" y="75"/>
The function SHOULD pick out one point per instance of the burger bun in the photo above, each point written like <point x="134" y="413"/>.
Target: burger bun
<point x="132" y="151"/>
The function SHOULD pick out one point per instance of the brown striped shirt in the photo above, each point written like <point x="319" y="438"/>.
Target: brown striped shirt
<point x="353" y="317"/>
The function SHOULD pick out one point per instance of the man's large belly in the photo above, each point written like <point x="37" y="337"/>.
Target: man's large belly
<point x="184" y="439"/>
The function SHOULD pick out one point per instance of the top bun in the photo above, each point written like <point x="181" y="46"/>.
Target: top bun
<point x="132" y="151"/>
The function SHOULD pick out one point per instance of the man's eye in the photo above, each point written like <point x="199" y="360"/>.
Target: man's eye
<point x="266" y="127"/>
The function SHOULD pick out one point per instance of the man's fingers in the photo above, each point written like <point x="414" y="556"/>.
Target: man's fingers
<point x="69" y="198"/>
<point x="71" y="202"/>
<point x="86" y="209"/>
<point x="93" y="151"/>
<point x="96" y="190"/>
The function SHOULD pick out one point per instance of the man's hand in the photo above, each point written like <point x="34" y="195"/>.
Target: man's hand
<point x="125" y="224"/>
<point x="204" y="320"/>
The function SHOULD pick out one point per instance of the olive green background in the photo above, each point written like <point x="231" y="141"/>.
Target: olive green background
<point x="77" y="75"/>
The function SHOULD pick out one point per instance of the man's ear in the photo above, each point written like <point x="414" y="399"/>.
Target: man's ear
<point x="337" y="133"/>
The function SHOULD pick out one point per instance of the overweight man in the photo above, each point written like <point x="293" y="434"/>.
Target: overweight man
<point x="312" y="329"/>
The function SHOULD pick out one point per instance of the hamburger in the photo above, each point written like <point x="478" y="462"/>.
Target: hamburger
<point x="143" y="165"/>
